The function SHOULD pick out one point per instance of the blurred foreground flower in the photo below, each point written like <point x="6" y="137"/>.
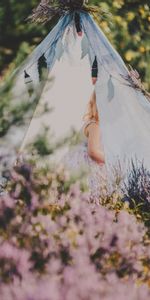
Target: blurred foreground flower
<point x="56" y="245"/>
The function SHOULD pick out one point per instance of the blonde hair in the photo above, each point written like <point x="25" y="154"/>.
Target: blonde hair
<point x="92" y="111"/>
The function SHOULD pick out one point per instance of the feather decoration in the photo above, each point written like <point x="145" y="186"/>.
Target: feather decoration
<point x="78" y="24"/>
<point x="42" y="66"/>
<point x="111" y="90"/>
<point x="29" y="82"/>
<point x="50" y="55"/>
<point x="134" y="80"/>
<point x="95" y="68"/>
<point x="27" y="77"/>
<point x="84" y="47"/>
<point x="59" y="50"/>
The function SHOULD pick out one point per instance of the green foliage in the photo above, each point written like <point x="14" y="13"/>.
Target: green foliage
<point x="15" y="31"/>
<point x="12" y="114"/>
<point x="44" y="143"/>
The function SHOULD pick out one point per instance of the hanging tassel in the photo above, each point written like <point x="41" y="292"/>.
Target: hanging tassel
<point x="84" y="47"/>
<point x="111" y="89"/>
<point x="27" y="78"/>
<point x="42" y="66"/>
<point x="78" y="24"/>
<point x="94" y="70"/>
<point x="29" y="82"/>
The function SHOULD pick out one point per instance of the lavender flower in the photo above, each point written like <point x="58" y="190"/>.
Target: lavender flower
<point x="68" y="248"/>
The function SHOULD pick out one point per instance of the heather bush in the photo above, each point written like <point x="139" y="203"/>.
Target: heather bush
<point x="137" y="192"/>
<point x="56" y="244"/>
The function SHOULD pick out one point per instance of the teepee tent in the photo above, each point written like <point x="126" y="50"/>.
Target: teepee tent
<point x="76" y="42"/>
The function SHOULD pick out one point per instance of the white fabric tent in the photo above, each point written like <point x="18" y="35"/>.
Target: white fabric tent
<point x="124" y="110"/>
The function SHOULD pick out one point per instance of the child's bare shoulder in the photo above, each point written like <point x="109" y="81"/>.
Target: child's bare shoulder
<point x="89" y="125"/>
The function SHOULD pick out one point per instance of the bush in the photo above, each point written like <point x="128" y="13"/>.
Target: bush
<point x="55" y="244"/>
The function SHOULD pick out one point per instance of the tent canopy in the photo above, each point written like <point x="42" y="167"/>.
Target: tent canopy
<point x="58" y="73"/>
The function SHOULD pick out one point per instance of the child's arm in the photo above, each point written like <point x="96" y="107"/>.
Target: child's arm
<point x="95" y="150"/>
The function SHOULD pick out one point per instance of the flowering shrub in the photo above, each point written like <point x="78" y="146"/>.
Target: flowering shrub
<point x="137" y="191"/>
<point x="57" y="245"/>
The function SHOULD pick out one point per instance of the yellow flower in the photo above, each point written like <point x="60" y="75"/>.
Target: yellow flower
<point x="137" y="38"/>
<point x="104" y="24"/>
<point x="126" y="205"/>
<point x="146" y="269"/>
<point x="118" y="19"/>
<point x="142" y="12"/>
<point x="129" y="55"/>
<point x="118" y="3"/>
<point x="130" y="16"/>
<point x="142" y="49"/>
